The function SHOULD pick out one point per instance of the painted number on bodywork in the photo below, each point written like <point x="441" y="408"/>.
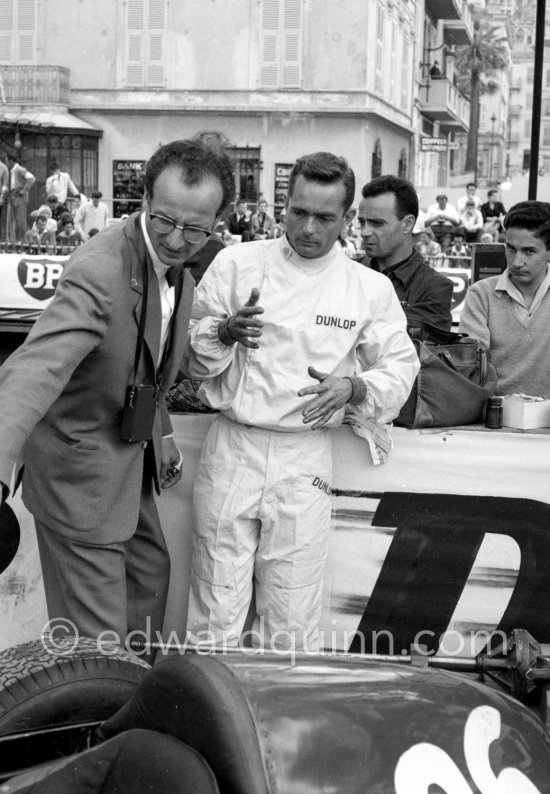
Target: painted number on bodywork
<point x="426" y="764"/>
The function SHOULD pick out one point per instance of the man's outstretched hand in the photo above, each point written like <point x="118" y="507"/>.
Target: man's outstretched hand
<point x="331" y="394"/>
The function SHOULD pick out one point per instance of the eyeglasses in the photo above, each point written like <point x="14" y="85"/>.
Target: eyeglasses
<point x="191" y="234"/>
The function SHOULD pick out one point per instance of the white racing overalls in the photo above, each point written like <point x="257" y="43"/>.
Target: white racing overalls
<point x="262" y="494"/>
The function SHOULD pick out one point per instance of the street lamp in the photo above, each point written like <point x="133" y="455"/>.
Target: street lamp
<point x="493" y="120"/>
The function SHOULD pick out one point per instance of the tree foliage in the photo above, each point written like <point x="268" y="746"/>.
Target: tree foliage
<point x="477" y="65"/>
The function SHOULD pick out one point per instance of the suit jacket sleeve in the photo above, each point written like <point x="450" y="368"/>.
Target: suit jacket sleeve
<point x="32" y="378"/>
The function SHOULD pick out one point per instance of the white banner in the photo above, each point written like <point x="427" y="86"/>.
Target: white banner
<point x="29" y="282"/>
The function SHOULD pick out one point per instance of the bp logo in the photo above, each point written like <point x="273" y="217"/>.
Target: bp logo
<point x="39" y="277"/>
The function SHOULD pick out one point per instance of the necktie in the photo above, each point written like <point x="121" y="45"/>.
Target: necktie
<point x="172" y="275"/>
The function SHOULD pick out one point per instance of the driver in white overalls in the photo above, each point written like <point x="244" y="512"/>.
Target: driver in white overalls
<point x="284" y="334"/>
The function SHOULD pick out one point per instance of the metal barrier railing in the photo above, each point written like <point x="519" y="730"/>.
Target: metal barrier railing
<point x="7" y="247"/>
<point x="448" y="261"/>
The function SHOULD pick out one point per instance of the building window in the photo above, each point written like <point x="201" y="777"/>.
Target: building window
<point x="281" y="44"/>
<point x="547" y="106"/>
<point x="247" y="171"/>
<point x="527" y="128"/>
<point x="548" y="78"/>
<point x="530" y="75"/>
<point x="528" y="101"/>
<point x="76" y="153"/>
<point x="405" y="73"/>
<point x="145" y="43"/>
<point x="18" y="31"/>
<point x="402" y="164"/>
<point x="376" y="168"/>
<point x="546" y="136"/>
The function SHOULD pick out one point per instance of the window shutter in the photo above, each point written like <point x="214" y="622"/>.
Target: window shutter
<point x="156" y="26"/>
<point x="135" y="36"/>
<point x="18" y="31"/>
<point x="292" y="44"/>
<point x="395" y="60"/>
<point x="405" y="73"/>
<point x="379" y="54"/>
<point x="269" y="67"/>
<point x="26" y="26"/>
<point x="6" y="28"/>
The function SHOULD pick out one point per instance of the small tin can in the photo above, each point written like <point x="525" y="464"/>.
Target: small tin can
<point x="493" y="412"/>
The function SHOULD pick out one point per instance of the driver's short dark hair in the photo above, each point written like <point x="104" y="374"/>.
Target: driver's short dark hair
<point x="198" y="159"/>
<point x="406" y="197"/>
<point x="327" y="168"/>
<point x="531" y="215"/>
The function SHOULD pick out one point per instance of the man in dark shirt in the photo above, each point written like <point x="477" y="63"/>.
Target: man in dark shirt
<point x="239" y="222"/>
<point x="387" y="214"/>
<point x="493" y="213"/>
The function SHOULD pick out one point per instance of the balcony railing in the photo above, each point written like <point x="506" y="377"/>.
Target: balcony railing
<point x="441" y="101"/>
<point x="40" y="85"/>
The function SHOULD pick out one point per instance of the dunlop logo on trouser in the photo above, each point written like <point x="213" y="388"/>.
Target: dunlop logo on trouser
<point x="321" y="485"/>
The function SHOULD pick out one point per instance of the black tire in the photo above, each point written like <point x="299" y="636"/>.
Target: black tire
<point x="40" y="689"/>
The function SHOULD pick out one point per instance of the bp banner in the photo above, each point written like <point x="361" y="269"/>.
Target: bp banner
<point x="29" y="282"/>
<point x="461" y="281"/>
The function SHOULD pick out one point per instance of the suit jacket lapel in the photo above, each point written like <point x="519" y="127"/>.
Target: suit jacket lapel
<point x="153" y="319"/>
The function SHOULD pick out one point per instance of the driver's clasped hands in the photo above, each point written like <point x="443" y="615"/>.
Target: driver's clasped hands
<point x="243" y="326"/>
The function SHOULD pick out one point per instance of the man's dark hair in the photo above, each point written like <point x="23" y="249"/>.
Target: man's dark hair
<point x="66" y="217"/>
<point x="96" y="194"/>
<point x="52" y="198"/>
<point x="492" y="192"/>
<point x="198" y="160"/>
<point x="531" y="215"/>
<point x="326" y="168"/>
<point x="471" y="184"/>
<point x="406" y="197"/>
<point x="54" y="165"/>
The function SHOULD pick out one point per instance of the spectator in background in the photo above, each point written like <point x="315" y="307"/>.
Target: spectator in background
<point x="471" y="189"/>
<point x="280" y="227"/>
<point x="56" y="209"/>
<point x="348" y="246"/>
<point x="459" y="254"/>
<point x="487" y="238"/>
<point x="429" y="248"/>
<point x="40" y="235"/>
<point x="51" y="224"/>
<point x="4" y="194"/>
<point x="239" y="222"/>
<point x="94" y="214"/>
<point x="441" y="217"/>
<point x="435" y="71"/>
<point x="493" y="213"/>
<point x="60" y="184"/>
<point x="261" y="223"/>
<point x="68" y="236"/>
<point x="387" y="215"/>
<point x="471" y="221"/>
<point x="21" y="181"/>
<point x="510" y="313"/>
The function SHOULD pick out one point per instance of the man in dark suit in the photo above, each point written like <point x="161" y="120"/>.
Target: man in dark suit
<point x="104" y="559"/>
<point x="240" y="221"/>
